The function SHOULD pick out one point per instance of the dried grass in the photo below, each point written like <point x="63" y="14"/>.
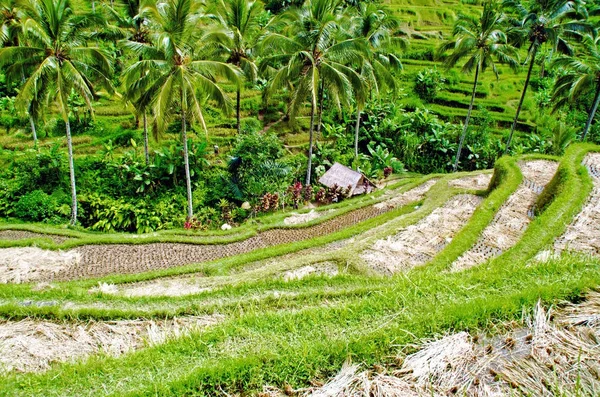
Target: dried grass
<point x="298" y="219"/>
<point x="419" y="243"/>
<point x="32" y="346"/>
<point x="415" y="194"/>
<point x="512" y="219"/>
<point x="323" y="268"/>
<point x="553" y="354"/>
<point x="20" y="265"/>
<point x="477" y="182"/>
<point x="583" y="234"/>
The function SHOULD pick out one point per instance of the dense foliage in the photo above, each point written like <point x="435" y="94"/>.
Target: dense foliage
<point x="329" y="69"/>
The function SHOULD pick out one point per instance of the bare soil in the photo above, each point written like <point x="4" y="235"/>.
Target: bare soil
<point x="23" y="235"/>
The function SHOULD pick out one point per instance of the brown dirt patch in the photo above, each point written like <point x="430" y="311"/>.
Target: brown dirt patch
<point x="419" y="243"/>
<point x="14" y="235"/>
<point x="32" y="345"/>
<point x="512" y="219"/>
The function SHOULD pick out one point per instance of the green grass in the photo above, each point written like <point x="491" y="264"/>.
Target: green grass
<point x="315" y="324"/>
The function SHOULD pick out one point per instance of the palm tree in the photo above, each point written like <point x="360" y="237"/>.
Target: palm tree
<point x="482" y="41"/>
<point x="130" y="24"/>
<point x="172" y="76"/>
<point x="376" y="25"/>
<point x="314" y="47"/>
<point x="237" y="28"/>
<point x="545" y="21"/>
<point x="582" y="77"/>
<point x="58" y="62"/>
<point x="11" y="17"/>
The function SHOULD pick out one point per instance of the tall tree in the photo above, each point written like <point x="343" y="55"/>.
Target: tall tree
<point x="544" y="21"/>
<point x="234" y="35"/>
<point x="582" y="77"/>
<point x="11" y="18"/>
<point x="58" y="61"/>
<point x="376" y="26"/>
<point x="130" y="23"/>
<point x="313" y="46"/>
<point x="174" y="78"/>
<point x="482" y="41"/>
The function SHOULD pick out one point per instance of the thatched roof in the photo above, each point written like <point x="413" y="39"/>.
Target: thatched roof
<point x="343" y="177"/>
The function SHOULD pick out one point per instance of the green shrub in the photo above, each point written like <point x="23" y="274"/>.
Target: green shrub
<point x="428" y="83"/>
<point x="35" y="206"/>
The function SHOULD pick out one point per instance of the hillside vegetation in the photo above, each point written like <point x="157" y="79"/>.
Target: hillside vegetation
<point x="144" y="254"/>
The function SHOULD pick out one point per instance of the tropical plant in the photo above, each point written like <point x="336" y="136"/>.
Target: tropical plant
<point x="11" y="18"/>
<point x="58" y="61"/>
<point x="582" y="77"/>
<point x="376" y="26"/>
<point x="131" y="24"/>
<point x="314" y="46"/>
<point x="173" y="76"/>
<point x="540" y="22"/>
<point x="428" y="83"/>
<point x="235" y="34"/>
<point x="482" y="41"/>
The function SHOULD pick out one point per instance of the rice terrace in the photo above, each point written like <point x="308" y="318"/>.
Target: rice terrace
<point x="299" y="198"/>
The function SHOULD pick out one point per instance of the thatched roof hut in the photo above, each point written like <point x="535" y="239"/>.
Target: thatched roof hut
<point x="343" y="177"/>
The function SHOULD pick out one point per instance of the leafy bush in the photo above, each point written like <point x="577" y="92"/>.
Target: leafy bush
<point x="131" y="215"/>
<point x="38" y="206"/>
<point x="428" y="83"/>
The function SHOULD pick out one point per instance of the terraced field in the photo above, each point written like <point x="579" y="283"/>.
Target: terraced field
<point x="433" y="285"/>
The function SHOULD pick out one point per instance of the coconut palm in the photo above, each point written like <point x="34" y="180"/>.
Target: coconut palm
<point x="235" y="34"/>
<point x="173" y="78"/>
<point x="58" y="62"/>
<point x="545" y="21"/>
<point x="376" y="25"/>
<point x="582" y="77"/>
<point x="11" y="17"/>
<point x="130" y="23"/>
<point x="482" y="42"/>
<point x="314" y="47"/>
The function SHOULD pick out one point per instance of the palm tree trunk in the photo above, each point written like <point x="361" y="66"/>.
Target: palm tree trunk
<point x="514" y="124"/>
<point x="356" y="131"/>
<point x="310" y="141"/>
<point x="186" y="161"/>
<point x="320" y="119"/>
<point x="33" y="132"/>
<point x="238" y="111"/>
<point x="71" y="174"/>
<point x="466" y="126"/>
<point x="146" y="150"/>
<point x="592" y="113"/>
